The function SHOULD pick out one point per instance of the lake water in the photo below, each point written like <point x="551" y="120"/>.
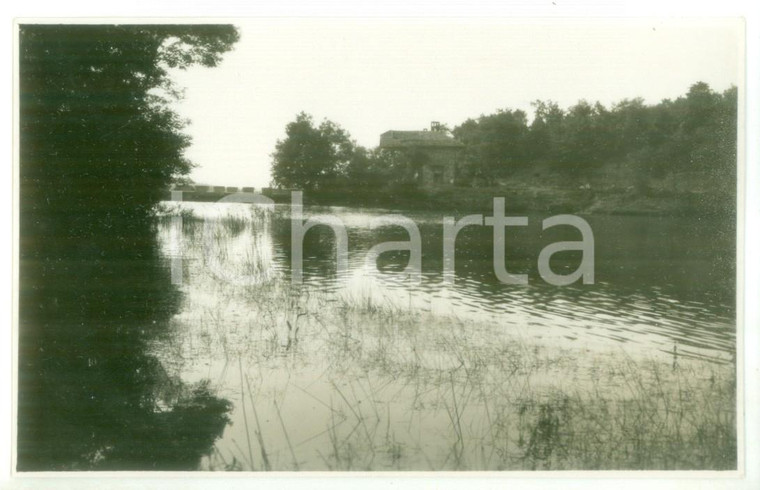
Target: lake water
<point x="352" y="372"/>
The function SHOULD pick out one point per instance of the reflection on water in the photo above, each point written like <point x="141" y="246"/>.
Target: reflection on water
<point x="371" y="371"/>
<point x="90" y="396"/>
<point x="659" y="281"/>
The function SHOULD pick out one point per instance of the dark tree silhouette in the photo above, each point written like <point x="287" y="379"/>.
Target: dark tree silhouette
<point x="99" y="144"/>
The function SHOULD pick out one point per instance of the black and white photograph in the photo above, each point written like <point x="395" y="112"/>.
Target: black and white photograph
<point x="374" y="245"/>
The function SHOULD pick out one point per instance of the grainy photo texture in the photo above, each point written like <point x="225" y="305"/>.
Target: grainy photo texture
<point x="378" y="245"/>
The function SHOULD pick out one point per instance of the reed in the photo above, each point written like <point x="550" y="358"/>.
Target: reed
<point x="397" y="388"/>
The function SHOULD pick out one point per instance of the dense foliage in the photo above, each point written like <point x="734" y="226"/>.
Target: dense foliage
<point x="695" y="133"/>
<point x="99" y="145"/>
<point x="311" y="155"/>
<point x="99" y="141"/>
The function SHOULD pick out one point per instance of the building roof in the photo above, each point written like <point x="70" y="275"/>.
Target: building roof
<point x="406" y="139"/>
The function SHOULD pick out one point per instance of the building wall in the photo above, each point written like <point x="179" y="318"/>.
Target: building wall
<point x="440" y="168"/>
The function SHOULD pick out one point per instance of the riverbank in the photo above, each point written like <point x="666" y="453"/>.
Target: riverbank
<point x="541" y="199"/>
<point x="691" y="196"/>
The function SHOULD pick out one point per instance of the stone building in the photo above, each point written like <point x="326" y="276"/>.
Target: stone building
<point x="435" y="154"/>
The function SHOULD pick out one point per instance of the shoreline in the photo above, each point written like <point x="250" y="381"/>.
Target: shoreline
<point x="467" y="200"/>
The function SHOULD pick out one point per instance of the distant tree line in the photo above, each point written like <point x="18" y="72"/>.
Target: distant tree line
<point x="696" y="132"/>
<point x="693" y="133"/>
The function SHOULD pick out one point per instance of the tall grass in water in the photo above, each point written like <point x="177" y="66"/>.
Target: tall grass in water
<point x="397" y="388"/>
<point x="411" y="391"/>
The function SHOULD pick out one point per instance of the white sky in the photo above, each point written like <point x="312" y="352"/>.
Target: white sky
<point x="370" y="76"/>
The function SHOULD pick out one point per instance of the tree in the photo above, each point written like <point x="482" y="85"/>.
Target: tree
<point x="365" y="169"/>
<point x="99" y="141"/>
<point x="495" y="144"/>
<point x="99" y="144"/>
<point x="311" y="157"/>
<point x="399" y="168"/>
<point x="585" y="141"/>
<point x="545" y="132"/>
